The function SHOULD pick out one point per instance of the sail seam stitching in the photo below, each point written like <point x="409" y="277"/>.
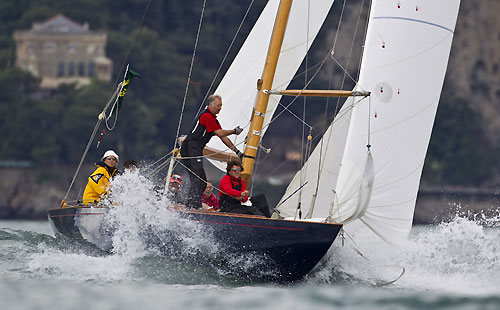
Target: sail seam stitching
<point x="415" y="20"/>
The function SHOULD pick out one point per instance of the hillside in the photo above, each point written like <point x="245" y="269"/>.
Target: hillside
<point x="54" y="130"/>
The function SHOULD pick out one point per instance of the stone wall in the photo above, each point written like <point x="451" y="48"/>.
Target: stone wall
<point x="27" y="193"/>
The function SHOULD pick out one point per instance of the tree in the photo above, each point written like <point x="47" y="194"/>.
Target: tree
<point x="458" y="153"/>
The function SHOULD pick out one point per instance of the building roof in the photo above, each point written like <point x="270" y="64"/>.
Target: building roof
<point x="60" y="23"/>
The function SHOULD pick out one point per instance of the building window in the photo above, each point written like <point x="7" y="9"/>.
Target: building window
<point x="81" y="69"/>
<point x="49" y="47"/>
<point x="71" y="48"/>
<point x="90" y="49"/>
<point x="100" y="51"/>
<point x="92" y="69"/>
<point x="71" y="69"/>
<point x="60" y="69"/>
<point x="31" y="68"/>
<point x="31" y="49"/>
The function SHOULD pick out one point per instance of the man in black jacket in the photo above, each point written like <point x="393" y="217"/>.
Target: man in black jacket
<point x="204" y="129"/>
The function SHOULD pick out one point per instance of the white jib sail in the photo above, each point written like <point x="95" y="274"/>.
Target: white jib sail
<point x="238" y="88"/>
<point x="404" y="64"/>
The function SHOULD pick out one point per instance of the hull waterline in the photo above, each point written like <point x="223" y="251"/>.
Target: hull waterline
<point x="290" y="249"/>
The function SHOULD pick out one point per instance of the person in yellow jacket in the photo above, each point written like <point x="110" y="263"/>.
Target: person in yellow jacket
<point x="99" y="180"/>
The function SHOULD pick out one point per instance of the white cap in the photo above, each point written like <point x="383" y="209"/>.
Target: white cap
<point x="111" y="153"/>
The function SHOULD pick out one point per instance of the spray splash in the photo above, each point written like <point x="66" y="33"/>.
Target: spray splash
<point x="147" y="239"/>
<point x="144" y="222"/>
<point x="460" y="256"/>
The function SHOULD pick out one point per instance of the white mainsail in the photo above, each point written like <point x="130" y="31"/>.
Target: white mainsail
<point x="238" y="88"/>
<point x="404" y="63"/>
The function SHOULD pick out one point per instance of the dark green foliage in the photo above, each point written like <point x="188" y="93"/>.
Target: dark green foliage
<point x="458" y="153"/>
<point x="55" y="129"/>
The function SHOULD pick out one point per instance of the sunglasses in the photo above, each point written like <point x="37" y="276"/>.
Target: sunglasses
<point x="110" y="158"/>
<point x="235" y="169"/>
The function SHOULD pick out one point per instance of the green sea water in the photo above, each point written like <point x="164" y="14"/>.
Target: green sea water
<point x="450" y="266"/>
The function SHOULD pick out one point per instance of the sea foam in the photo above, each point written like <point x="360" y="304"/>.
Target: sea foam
<point x="459" y="256"/>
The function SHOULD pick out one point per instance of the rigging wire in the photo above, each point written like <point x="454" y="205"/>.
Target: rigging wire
<point x="99" y="121"/>
<point x="366" y="31"/>
<point x="346" y="69"/>
<point x="199" y="177"/>
<point x="161" y="164"/>
<point x="189" y="74"/>
<point x="303" y="172"/>
<point x="286" y="108"/>
<point x="256" y="167"/>
<point x="134" y="43"/>
<point x="317" y="137"/>
<point x="319" y="65"/>
<point x="214" y="79"/>
<point x="320" y="163"/>
<point x="368" y="145"/>
<point x="332" y="51"/>
<point x="96" y="127"/>
<point x="89" y="143"/>
<point x="328" y="98"/>
<point x="122" y="85"/>
<point x="378" y="283"/>
<point x="225" y="56"/>
<point x="160" y="159"/>
<point x="340" y="116"/>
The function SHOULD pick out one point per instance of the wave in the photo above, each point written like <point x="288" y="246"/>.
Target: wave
<point x="456" y="256"/>
<point x="141" y="222"/>
<point x="459" y="256"/>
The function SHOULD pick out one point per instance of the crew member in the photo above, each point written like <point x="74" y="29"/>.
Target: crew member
<point x="174" y="189"/>
<point x="206" y="127"/>
<point x="130" y="165"/>
<point x="208" y="200"/>
<point x="99" y="180"/>
<point x="233" y="191"/>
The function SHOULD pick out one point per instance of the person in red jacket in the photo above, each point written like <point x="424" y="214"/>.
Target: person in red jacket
<point x="208" y="199"/>
<point x="233" y="191"/>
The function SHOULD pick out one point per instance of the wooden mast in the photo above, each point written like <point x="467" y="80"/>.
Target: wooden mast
<point x="255" y="132"/>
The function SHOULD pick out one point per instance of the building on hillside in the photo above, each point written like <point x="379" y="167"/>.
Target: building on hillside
<point x="60" y="50"/>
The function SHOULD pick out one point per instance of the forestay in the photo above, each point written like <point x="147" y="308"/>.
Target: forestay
<point x="238" y="88"/>
<point x="404" y="63"/>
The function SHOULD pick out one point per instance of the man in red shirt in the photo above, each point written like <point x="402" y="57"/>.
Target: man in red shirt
<point x="208" y="199"/>
<point x="204" y="129"/>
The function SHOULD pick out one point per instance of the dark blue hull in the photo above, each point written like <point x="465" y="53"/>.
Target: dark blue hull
<point x="290" y="249"/>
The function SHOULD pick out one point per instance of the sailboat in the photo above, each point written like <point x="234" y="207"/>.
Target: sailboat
<point x="364" y="174"/>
